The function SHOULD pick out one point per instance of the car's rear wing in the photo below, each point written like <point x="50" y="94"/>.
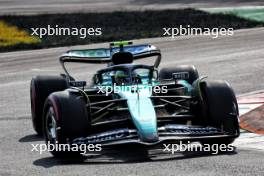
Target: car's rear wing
<point x="104" y="55"/>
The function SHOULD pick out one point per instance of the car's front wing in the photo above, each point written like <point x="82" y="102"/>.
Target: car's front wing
<point x="167" y="134"/>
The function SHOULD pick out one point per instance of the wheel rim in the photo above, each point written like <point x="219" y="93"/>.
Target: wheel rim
<point x="51" y="125"/>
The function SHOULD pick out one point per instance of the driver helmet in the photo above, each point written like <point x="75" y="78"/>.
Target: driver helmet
<point x="121" y="78"/>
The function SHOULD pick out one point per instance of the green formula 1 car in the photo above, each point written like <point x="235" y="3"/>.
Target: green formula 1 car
<point x="131" y="103"/>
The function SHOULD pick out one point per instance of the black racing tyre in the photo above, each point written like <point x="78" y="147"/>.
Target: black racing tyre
<point x="167" y="73"/>
<point x="221" y="108"/>
<point x="40" y="88"/>
<point x="65" y="118"/>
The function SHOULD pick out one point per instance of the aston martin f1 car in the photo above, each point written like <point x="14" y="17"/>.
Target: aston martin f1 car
<point x="133" y="104"/>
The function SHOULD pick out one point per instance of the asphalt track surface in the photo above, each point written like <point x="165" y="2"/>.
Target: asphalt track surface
<point x="238" y="59"/>
<point x="70" y="6"/>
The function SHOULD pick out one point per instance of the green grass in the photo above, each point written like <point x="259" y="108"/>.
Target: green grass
<point x="256" y="14"/>
<point x="121" y="25"/>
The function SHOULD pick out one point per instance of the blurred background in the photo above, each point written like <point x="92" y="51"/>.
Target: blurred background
<point x="119" y="19"/>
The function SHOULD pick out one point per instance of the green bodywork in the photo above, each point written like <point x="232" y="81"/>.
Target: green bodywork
<point x="141" y="108"/>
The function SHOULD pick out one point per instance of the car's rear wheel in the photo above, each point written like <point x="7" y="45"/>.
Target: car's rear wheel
<point x="167" y="73"/>
<point x="40" y="88"/>
<point x="220" y="105"/>
<point x="65" y="118"/>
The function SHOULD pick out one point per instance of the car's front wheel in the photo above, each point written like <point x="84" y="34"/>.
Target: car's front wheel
<point x="65" y="118"/>
<point x="221" y="108"/>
